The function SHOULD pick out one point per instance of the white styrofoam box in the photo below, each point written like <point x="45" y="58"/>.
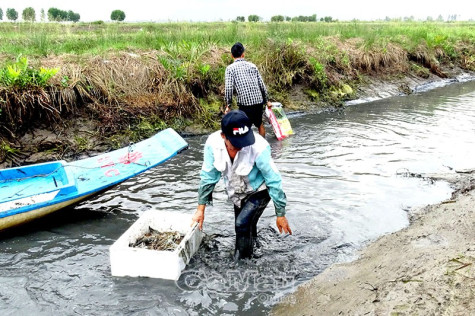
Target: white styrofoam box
<point x="142" y="262"/>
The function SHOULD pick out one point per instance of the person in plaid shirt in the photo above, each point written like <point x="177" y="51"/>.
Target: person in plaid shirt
<point x="244" y="77"/>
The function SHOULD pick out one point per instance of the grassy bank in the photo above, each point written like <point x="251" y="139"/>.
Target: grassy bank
<point x="43" y="39"/>
<point x="134" y="79"/>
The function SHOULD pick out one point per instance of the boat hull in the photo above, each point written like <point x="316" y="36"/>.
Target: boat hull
<point x="25" y="217"/>
<point x="30" y="192"/>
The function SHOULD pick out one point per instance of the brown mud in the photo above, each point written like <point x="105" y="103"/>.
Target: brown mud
<point x="103" y="122"/>
<point x="427" y="268"/>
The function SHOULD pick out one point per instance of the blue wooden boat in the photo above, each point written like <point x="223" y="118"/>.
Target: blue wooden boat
<point x="29" y="192"/>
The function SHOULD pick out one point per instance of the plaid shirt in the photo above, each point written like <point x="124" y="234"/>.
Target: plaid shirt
<point x="246" y="79"/>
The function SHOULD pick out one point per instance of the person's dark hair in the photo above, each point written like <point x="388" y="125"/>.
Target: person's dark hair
<point x="237" y="50"/>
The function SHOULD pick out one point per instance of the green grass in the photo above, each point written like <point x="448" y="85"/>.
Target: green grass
<point x="153" y="74"/>
<point x="42" y="39"/>
<point x="20" y="75"/>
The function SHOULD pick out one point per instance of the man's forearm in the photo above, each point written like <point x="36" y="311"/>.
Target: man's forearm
<point x="228" y="88"/>
<point x="205" y="193"/>
<point x="228" y="98"/>
<point x="279" y="212"/>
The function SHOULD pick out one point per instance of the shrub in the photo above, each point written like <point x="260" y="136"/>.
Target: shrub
<point x="20" y="75"/>
<point x="320" y="75"/>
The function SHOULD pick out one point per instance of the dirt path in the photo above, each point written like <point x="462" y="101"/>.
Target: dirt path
<point x="426" y="269"/>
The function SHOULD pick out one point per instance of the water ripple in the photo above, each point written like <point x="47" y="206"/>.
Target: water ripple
<point x="340" y="176"/>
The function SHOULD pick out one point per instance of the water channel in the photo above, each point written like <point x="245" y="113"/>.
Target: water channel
<point x="341" y="173"/>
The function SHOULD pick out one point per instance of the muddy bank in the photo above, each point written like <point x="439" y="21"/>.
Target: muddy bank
<point x="81" y="136"/>
<point x="79" y="89"/>
<point x="376" y="88"/>
<point x="426" y="269"/>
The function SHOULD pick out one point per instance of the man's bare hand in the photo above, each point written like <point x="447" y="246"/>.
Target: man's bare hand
<point x="227" y="109"/>
<point x="283" y="225"/>
<point x="199" y="216"/>
<point x="269" y="104"/>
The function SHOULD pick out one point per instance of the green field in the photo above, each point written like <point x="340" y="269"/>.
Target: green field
<point x="137" y="78"/>
<point x="42" y="39"/>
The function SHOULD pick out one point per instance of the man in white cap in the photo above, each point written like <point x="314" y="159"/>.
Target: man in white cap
<point x="251" y="178"/>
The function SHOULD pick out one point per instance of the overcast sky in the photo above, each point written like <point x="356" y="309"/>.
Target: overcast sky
<point x="215" y="10"/>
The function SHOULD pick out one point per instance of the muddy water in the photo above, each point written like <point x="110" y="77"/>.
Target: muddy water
<point x="340" y="174"/>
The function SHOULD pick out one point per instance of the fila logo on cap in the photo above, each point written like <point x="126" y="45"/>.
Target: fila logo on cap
<point x="240" y="130"/>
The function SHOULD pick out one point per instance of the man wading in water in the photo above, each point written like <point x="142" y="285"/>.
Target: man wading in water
<point x="250" y="176"/>
<point x="251" y="91"/>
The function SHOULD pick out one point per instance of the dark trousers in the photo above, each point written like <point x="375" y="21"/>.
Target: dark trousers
<point x="254" y="113"/>
<point x="246" y="218"/>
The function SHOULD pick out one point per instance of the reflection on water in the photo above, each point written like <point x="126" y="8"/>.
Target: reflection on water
<point x="340" y="176"/>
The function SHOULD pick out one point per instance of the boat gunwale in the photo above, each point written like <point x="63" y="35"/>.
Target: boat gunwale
<point x="61" y="198"/>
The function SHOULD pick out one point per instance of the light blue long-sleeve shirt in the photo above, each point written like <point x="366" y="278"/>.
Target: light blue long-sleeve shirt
<point x="252" y="170"/>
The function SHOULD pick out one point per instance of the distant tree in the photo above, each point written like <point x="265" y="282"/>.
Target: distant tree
<point x="277" y="18"/>
<point x="288" y="18"/>
<point x="429" y="19"/>
<point x="63" y="15"/>
<point x="42" y="15"/>
<point x="303" y="18"/>
<point x="117" y="15"/>
<point x="241" y="19"/>
<point x="55" y="14"/>
<point x="387" y="19"/>
<point x="452" y="17"/>
<point x="52" y="14"/>
<point x="253" y="18"/>
<point x="73" y="17"/>
<point x="29" y="14"/>
<point x="1" y="14"/>
<point x="327" y="19"/>
<point x="440" y="18"/>
<point x="12" y="14"/>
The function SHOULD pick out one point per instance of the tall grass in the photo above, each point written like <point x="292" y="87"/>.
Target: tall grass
<point x="123" y="74"/>
<point x="51" y="38"/>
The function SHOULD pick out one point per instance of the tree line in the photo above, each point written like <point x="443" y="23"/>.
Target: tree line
<point x="281" y="18"/>
<point x="440" y="18"/>
<point x="57" y="15"/>
<point x="29" y="15"/>
<point x="313" y="18"/>
<point x="54" y="15"/>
